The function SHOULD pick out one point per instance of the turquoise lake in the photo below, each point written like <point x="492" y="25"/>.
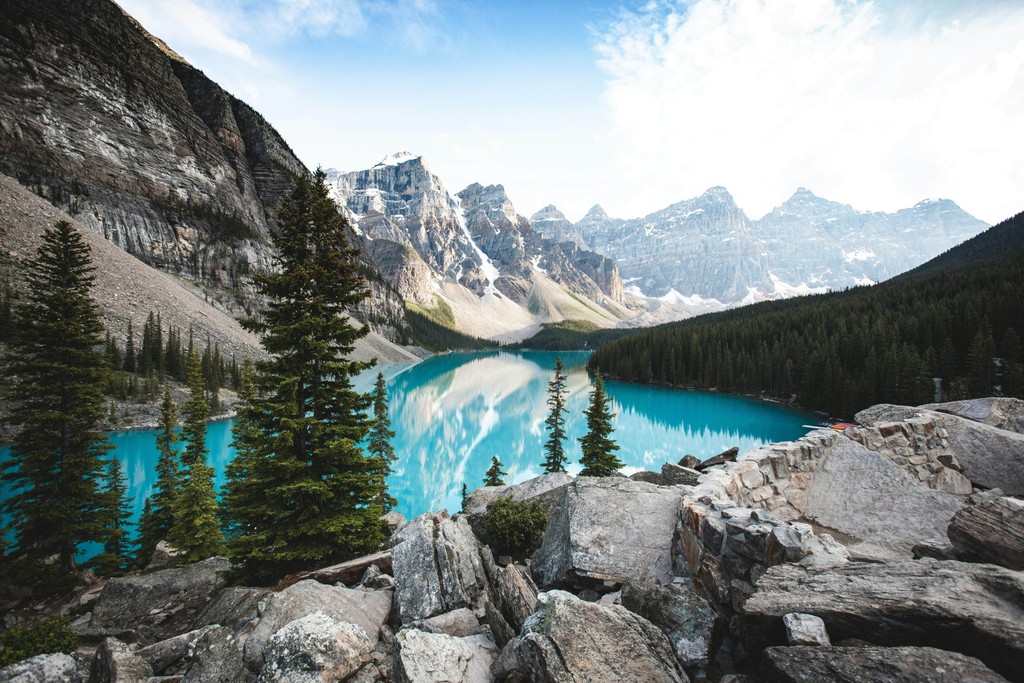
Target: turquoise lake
<point x="451" y="413"/>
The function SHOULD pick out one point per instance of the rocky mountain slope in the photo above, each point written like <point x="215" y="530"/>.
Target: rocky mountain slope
<point x="878" y="553"/>
<point x="706" y="251"/>
<point x="127" y="289"/>
<point x="471" y="252"/>
<point x="110" y="125"/>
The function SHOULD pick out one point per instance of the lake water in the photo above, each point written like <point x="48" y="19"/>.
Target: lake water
<point x="452" y="413"/>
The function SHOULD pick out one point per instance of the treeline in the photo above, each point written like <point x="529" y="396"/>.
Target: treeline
<point x="959" y="320"/>
<point x="571" y="335"/>
<point x="139" y="367"/>
<point x="428" y="332"/>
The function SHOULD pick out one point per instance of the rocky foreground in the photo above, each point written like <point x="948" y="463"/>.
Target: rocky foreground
<point x="893" y="551"/>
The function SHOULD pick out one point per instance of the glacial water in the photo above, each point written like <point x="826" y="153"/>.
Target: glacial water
<point x="451" y="413"/>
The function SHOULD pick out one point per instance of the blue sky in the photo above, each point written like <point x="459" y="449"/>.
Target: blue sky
<point x="636" y="105"/>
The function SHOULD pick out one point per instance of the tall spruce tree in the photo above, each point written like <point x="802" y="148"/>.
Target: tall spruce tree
<point x="494" y="476"/>
<point x="379" y="447"/>
<point x="554" y="447"/>
<point x="319" y="494"/>
<point x="58" y="371"/>
<point x="158" y="516"/>
<point x="195" y="529"/>
<point x="243" y="494"/>
<point x="599" y="459"/>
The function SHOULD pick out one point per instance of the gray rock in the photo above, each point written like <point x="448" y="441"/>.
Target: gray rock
<point x="862" y="494"/>
<point x="351" y="571"/>
<point x="162" y="604"/>
<point x="217" y="658"/>
<point x="728" y="455"/>
<point x="1002" y="413"/>
<point x="163" y="555"/>
<point x="516" y="594"/>
<point x="677" y="474"/>
<point x="117" y="662"/>
<point x="438" y="567"/>
<point x="568" y="639"/>
<point x="680" y="612"/>
<point x="375" y="579"/>
<point x="691" y="461"/>
<point x="608" y="529"/>
<point x="859" y="664"/>
<point x="991" y="531"/>
<point x="315" y="649"/>
<point x="935" y="548"/>
<point x="42" y="669"/>
<point x="805" y="629"/>
<point x="235" y="607"/>
<point x="457" y="623"/>
<point x="990" y="457"/>
<point x="974" y="609"/>
<point x="438" y="658"/>
<point x="169" y="653"/>
<point x="393" y="521"/>
<point x="478" y="500"/>
<point x="649" y="477"/>
<point x="366" y="609"/>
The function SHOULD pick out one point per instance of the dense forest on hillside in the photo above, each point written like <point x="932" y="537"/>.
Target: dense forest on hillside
<point x="572" y="335"/>
<point x="958" y="318"/>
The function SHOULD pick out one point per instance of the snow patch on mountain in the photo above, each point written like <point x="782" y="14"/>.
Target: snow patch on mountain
<point x="861" y="254"/>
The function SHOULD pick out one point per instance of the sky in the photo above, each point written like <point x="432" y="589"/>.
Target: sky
<point x="637" y="105"/>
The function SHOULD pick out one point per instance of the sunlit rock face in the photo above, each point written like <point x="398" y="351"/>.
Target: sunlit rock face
<point x="474" y="238"/>
<point x="707" y="247"/>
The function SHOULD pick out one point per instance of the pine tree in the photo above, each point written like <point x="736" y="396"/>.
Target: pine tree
<point x="195" y="529"/>
<point x="555" y="460"/>
<point x="158" y="517"/>
<point x="116" y="547"/>
<point x="465" y="497"/>
<point x="319" y="494"/>
<point x="494" y="476"/>
<point x="57" y="372"/>
<point x="599" y="459"/>
<point x="243" y="493"/>
<point x="379" y="448"/>
<point x="129" y="349"/>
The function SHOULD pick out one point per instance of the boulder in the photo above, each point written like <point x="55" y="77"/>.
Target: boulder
<point x="392" y="521"/>
<point x="859" y="664"/>
<point x="438" y="658"/>
<point x="375" y="579"/>
<point x="117" y="662"/>
<point x="862" y="494"/>
<point x="680" y="612"/>
<point x="217" y="658"/>
<point x="164" y="554"/>
<point x="805" y="629"/>
<point x="458" y="623"/>
<point x="315" y="649"/>
<point x="568" y="639"/>
<point x="366" y="609"/>
<point x="478" y="500"/>
<point x="350" y="572"/>
<point x="1002" y="413"/>
<point x="692" y="461"/>
<point x="170" y="653"/>
<point x="438" y="567"/>
<point x="608" y="529"/>
<point x="42" y="668"/>
<point x="720" y="459"/>
<point x="677" y="474"/>
<point x="235" y="606"/>
<point x="648" y="477"/>
<point x="517" y="595"/>
<point x="160" y="605"/>
<point x="974" y="609"/>
<point x="992" y="531"/>
<point x="990" y="457"/>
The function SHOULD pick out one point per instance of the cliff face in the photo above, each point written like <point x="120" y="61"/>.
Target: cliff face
<point x="470" y="247"/>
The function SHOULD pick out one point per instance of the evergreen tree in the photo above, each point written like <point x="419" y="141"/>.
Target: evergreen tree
<point x="57" y="371"/>
<point x="465" y="497"/>
<point x="555" y="460"/>
<point x="494" y="476"/>
<point x="319" y="495"/>
<point x="158" y="517"/>
<point x="599" y="459"/>
<point x="116" y="547"/>
<point x="243" y="493"/>
<point x="130" y="357"/>
<point x="195" y="528"/>
<point x="379" y="448"/>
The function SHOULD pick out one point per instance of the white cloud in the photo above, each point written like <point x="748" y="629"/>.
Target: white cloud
<point x="859" y="103"/>
<point x="186" y="25"/>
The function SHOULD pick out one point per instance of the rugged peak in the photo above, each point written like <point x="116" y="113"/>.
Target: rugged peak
<point x="596" y="213"/>
<point x="548" y="213"/>
<point x="718" y="194"/>
<point x="398" y="158"/>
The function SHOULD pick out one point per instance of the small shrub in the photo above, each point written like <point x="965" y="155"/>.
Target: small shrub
<point x="514" y="527"/>
<point x="49" y="636"/>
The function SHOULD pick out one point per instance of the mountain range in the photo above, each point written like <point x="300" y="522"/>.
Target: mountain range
<point x="706" y="252"/>
<point x="108" y="124"/>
